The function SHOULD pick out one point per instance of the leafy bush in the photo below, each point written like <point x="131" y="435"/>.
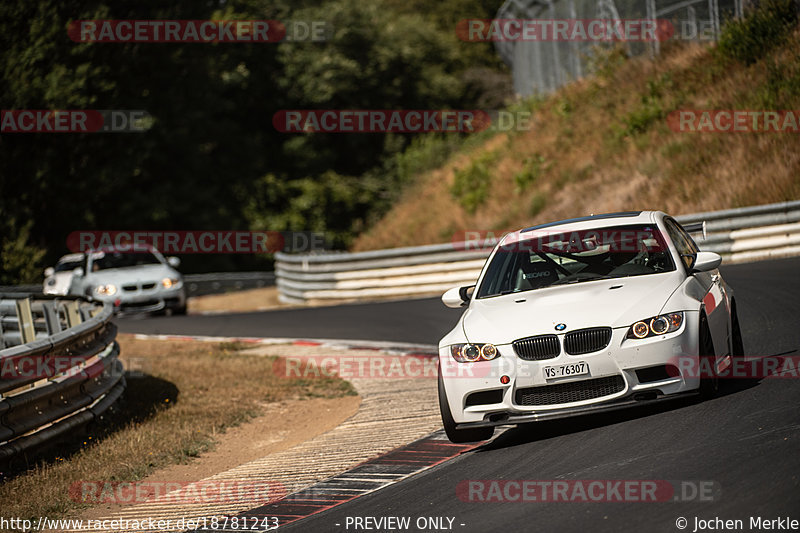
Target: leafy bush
<point x="605" y="60"/>
<point x="471" y="185"/>
<point x="651" y="107"/>
<point x="782" y="87"/>
<point x="425" y="152"/>
<point x="20" y="261"/>
<point x="531" y="170"/>
<point x="748" y="39"/>
<point x="538" y="202"/>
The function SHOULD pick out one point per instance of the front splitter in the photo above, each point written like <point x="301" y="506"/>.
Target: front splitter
<point x="624" y="403"/>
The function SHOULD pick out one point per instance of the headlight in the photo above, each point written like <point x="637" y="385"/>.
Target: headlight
<point x="169" y="282"/>
<point x="657" y="325"/>
<point x="51" y="282"/>
<point x="470" y="353"/>
<point x="106" y="290"/>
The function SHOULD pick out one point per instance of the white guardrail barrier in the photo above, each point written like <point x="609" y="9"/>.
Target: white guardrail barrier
<point x="739" y="235"/>
<point x="196" y="284"/>
<point x="59" y="369"/>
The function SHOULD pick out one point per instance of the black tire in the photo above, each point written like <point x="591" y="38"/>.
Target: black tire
<point x="172" y="311"/>
<point x="458" y="435"/>
<point x="709" y="385"/>
<point x="737" y="344"/>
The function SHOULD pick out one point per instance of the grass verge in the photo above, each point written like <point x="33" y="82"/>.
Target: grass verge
<point x="181" y="395"/>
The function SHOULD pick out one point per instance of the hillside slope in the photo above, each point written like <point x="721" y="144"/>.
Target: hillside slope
<point x="603" y="144"/>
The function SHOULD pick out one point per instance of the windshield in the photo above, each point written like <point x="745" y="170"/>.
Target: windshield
<point x="107" y="260"/>
<point x="545" y="260"/>
<point x="68" y="266"/>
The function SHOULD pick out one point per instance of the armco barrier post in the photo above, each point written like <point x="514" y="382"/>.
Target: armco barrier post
<point x="25" y="318"/>
<point x="73" y="313"/>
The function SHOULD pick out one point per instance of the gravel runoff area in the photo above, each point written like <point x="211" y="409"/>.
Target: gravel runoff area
<point x="395" y="410"/>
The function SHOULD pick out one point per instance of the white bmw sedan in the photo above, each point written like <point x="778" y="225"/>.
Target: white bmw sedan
<point x="134" y="278"/>
<point x="583" y="315"/>
<point x="57" y="280"/>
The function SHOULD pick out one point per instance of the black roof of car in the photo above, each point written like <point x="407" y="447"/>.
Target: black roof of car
<point x="583" y="219"/>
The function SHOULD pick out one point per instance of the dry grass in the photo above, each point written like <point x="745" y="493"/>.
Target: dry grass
<point x="604" y="145"/>
<point x="181" y="396"/>
<point x="238" y="301"/>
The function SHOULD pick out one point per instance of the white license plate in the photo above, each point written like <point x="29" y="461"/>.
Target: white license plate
<point x="564" y="371"/>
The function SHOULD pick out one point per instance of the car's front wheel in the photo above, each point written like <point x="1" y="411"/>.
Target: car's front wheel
<point x="737" y="348"/>
<point x="709" y="381"/>
<point x="458" y="435"/>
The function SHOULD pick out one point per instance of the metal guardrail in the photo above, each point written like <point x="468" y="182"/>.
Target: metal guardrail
<point x="196" y="284"/>
<point x="59" y="368"/>
<point x="219" y="282"/>
<point x="21" y="289"/>
<point x="739" y="235"/>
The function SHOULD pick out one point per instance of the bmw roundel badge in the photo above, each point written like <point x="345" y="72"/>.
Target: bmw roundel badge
<point x="561" y="327"/>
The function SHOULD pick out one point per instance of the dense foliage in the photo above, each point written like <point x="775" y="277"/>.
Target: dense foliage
<point x="212" y="159"/>
<point x="760" y="30"/>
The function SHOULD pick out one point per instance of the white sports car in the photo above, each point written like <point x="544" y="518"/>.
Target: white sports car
<point x="134" y="278"/>
<point x="583" y="315"/>
<point x="57" y="280"/>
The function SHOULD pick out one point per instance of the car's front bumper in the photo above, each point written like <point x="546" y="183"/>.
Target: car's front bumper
<point x="619" y="361"/>
<point x="146" y="301"/>
<point x="503" y="419"/>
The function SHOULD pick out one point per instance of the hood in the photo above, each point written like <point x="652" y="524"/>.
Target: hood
<point x="130" y="275"/>
<point x="61" y="282"/>
<point x="614" y="302"/>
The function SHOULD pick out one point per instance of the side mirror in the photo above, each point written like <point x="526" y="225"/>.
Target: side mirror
<point x="173" y="261"/>
<point x="78" y="272"/>
<point x="457" y="296"/>
<point x="706" y="261"/>
<point x="49" y="271"/>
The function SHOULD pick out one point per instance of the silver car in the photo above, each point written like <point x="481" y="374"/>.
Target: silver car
<point x="135" y="278"/>
<point x="57" y="279"/>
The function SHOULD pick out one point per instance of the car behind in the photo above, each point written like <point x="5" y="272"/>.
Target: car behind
<point x="57" y="279"/>
<point x="132" y="278"/>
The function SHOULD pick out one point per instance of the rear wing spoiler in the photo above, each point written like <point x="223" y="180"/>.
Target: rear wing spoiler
<point x="696" y="227"/>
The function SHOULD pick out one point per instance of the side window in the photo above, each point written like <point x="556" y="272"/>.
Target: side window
<point x="685" y="245"/>
<point x="688" y="238"/>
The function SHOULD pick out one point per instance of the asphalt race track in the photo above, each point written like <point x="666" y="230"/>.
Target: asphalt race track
<point x="745" y="443"/>
<point x="421" y="321"/>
